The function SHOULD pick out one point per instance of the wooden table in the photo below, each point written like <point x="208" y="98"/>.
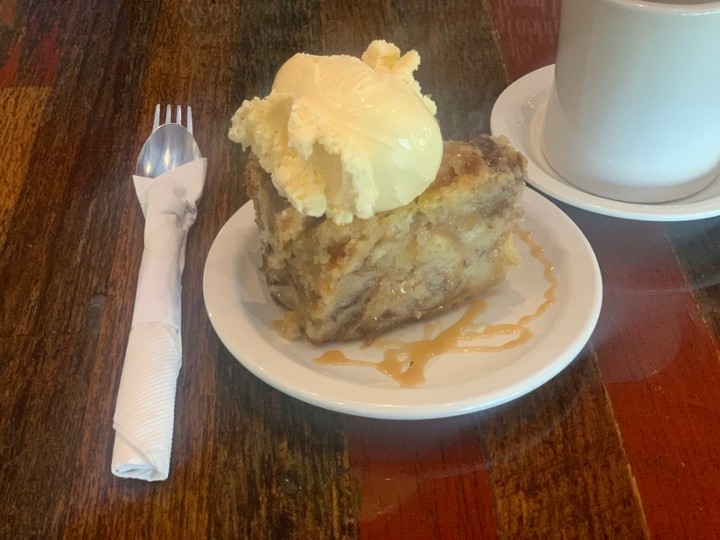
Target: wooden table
<point x="622" y="444"/>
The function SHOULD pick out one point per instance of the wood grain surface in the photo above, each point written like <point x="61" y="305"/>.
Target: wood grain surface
<point x="621" y="444"/>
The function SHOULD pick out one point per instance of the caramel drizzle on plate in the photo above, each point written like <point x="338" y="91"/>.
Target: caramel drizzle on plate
<point x="405" y="362"/>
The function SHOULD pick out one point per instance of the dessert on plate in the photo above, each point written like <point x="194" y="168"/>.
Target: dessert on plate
<point x="367" y="219"/>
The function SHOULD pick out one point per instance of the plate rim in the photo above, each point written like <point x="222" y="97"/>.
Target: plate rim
<point x="415" y="403"/>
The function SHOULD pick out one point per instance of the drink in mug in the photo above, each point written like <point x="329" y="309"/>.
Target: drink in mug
<point x="634" y="111"/>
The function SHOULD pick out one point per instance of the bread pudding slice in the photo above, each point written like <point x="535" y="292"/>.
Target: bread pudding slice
<point x="454" y="241"/>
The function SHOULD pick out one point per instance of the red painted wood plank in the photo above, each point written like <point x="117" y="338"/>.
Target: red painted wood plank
<point x="421" y="479"/>
<point x="659" y="361"/>
<point x="29" y="56"/>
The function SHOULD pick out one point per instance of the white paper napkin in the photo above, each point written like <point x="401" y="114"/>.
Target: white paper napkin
<point x="145" y="408"/>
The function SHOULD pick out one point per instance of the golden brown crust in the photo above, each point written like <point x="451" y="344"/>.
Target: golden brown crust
<point x="444" y="248"/>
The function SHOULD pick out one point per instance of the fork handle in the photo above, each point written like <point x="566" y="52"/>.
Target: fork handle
<point x="159" y="287"/>
<point x="144" y="412"/>
<point x="145" y="409"/>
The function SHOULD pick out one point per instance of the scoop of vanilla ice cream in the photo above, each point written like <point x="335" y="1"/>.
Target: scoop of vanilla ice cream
<point x="345" y="137"/>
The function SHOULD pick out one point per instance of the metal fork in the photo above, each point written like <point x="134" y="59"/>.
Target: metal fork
<point x="178" y="117"/>
<point x="144" y="413"/>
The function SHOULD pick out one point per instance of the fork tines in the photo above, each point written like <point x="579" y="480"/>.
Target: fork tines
<point x="168" y="117"/>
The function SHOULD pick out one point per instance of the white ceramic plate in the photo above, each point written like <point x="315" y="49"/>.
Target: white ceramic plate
<point x="241" y="312"/>
<point x="519" y="114"/>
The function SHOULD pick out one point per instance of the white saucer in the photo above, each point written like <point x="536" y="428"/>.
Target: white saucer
<point x="241" y="311"/>
<point x="519" y="114"/>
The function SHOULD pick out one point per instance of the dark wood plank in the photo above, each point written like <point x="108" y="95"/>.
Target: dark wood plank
<point x="527" y="31"/>
<point x="283" y="464"/>
<point x="230" y="469"/>
<point x="557" y="462"/>
<point x="40" y="419"/>
<point x="61" y="231"/>
<point x="55" y="264"/>
<point x="21" y="109"/>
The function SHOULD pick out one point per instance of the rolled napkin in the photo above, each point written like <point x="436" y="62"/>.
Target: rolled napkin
<point x="145" y="408"/>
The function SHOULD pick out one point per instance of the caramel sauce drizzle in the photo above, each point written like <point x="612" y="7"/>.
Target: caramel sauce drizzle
<point x="405" y="362"/>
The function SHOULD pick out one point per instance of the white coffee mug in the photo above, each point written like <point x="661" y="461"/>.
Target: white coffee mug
<point x="634" y="111"/>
